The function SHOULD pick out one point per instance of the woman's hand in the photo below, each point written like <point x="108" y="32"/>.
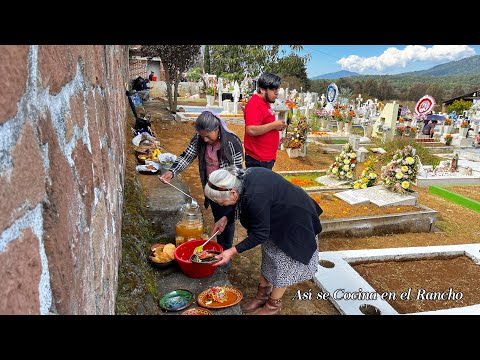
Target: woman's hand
<point x="226" y="256"/>
<point x="165" y="178"/>
<point x="219" y="225"/>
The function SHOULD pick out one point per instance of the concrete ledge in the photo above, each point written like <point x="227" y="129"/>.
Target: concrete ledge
<point x="336" y="277"/>
<point x="419" y="221"/>
<point x="445" y="180"/>
<point x="455" y="198"/>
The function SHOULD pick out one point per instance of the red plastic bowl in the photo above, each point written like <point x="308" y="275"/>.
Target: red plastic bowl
<point x="194" y="270"/>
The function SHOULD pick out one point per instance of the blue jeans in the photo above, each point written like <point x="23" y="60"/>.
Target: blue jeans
<point x="225" y="239"/>
<point x="251" y="162"/>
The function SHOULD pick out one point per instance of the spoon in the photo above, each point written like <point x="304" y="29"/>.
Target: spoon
<point x="194" y="202"/>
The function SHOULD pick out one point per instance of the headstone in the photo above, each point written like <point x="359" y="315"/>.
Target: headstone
<point x="352" y="197"/>
<point x="354" y="141"/>
<point x="381" y="196"/>
<point x="361" y="154"/>
<point x="385" y="124"/>
<point x="330" y="181"/>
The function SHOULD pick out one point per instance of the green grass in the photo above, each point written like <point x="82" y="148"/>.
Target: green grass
<point x="306" y="177"/>
<point x="455" y="198"/>
<point x="390" y="147"/>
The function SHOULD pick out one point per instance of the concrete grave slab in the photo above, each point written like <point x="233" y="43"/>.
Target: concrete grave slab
<point x="381" y="196"/>
<point x="353" y="295"/>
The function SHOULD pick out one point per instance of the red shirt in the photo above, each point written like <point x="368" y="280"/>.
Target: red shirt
<point x="262" y="147"/>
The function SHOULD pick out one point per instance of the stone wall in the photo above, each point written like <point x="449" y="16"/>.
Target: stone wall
<point x="62" y="128"/>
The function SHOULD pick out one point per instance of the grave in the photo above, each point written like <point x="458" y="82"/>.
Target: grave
<point x="331" y="181"/>
<point x="385" y="124"/>
<point x="338" y="278"/>
<point x="325" y="183"/>
<point x="377" y="195"/>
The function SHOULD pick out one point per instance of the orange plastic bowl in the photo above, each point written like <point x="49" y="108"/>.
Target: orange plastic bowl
<point x="194" y="270"/>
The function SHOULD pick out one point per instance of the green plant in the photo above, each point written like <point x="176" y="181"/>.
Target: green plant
<point x="210" y="91"/>
<point x="459" y="106"/>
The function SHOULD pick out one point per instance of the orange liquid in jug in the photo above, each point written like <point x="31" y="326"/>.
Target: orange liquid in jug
<point x="189" y="230"/>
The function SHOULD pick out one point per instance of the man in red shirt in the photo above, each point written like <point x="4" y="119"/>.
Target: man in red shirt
<point x="262" y="135"/>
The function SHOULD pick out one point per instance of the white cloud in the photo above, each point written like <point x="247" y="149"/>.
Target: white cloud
<point x="394" y="59"/>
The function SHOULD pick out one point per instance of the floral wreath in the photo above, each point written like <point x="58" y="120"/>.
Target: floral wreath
<point x="344" y="166"/>
<point x="401" y="172"/>
<point x="332" y="89"/>
<point x="368" y="177"/>
<point x="424" y="105"/>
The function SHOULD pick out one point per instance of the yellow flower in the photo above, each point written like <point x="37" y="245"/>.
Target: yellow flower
<point x="409" y="160"/>
<point x="346" y="161"/>
<point x="404" y="168"/>
<point x="364" y="186"/>
<point x="399" y="175"/>
<point x="356" y="185"/>
<point x="405" y="184"/>
<point x="372" y="175"/>
<point x="345" y="167"/>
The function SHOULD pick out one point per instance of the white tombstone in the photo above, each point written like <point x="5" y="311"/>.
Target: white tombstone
<point x="236" y="97"/>
<point x="354" y="141"/>
<point x="361" y="154"/>
<point x="220" y="91"/>
<point x="385" y="124"/>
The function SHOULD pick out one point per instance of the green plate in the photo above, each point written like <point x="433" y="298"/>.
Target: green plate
<point x="177" y="300"/>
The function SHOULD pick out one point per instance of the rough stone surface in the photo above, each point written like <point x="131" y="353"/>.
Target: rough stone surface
<point x="13" y="78"/>
<point x="26" y="185"/>
<point x="63" y="155"/>
<point x="60" y="216"/>
<point x="57" y="66"/>
<point x="20" y="270"/>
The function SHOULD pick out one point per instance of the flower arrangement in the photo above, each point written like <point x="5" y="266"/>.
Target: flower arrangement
<point x="349" y="116"/>
<point x="464" y="125"/>
<point x="337" y="115"/>
<point x="210" y="90"/>
<point x="344" y="166"/>
<point x="401" y="172"/>
<point x="447" y="122"/>
<point x="448" y="139"/>
<point x="297" y="138"/>
<point x="368" y="177"/>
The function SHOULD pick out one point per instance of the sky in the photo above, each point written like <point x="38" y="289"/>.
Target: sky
<point x="381" y="59"/>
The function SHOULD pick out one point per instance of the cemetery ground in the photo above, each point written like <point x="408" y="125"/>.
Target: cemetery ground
<point x="454" y="225"/>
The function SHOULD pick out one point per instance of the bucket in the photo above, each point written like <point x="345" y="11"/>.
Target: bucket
<point x="195" y="270"/>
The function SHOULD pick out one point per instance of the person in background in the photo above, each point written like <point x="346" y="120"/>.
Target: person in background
<point x="279" y="216"/>
<point x="150" y="77"/>
<point x="429" y="128"/>
<point x="216" y="147"/>
<point x="262" y="135"/>
<point x="141" y="88"/>
<point x="477" y="140"/>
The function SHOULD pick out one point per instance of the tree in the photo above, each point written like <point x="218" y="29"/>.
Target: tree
<point x="459" y="106"/>
<point x="457" y="91"/>
<point x="206" y="59"/>
<point x="436" y="92"/>
<point x="251" y="60"/>
<point x="293" y="66"/>
<point x="175" y="60"/>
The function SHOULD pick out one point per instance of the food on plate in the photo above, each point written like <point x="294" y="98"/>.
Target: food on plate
<point x="170" y="250"/>
<point x="159" y="257"/>
<point x="157" y="247"/>
<point x="151" y="167"/>
<point x="216" y="294"/>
